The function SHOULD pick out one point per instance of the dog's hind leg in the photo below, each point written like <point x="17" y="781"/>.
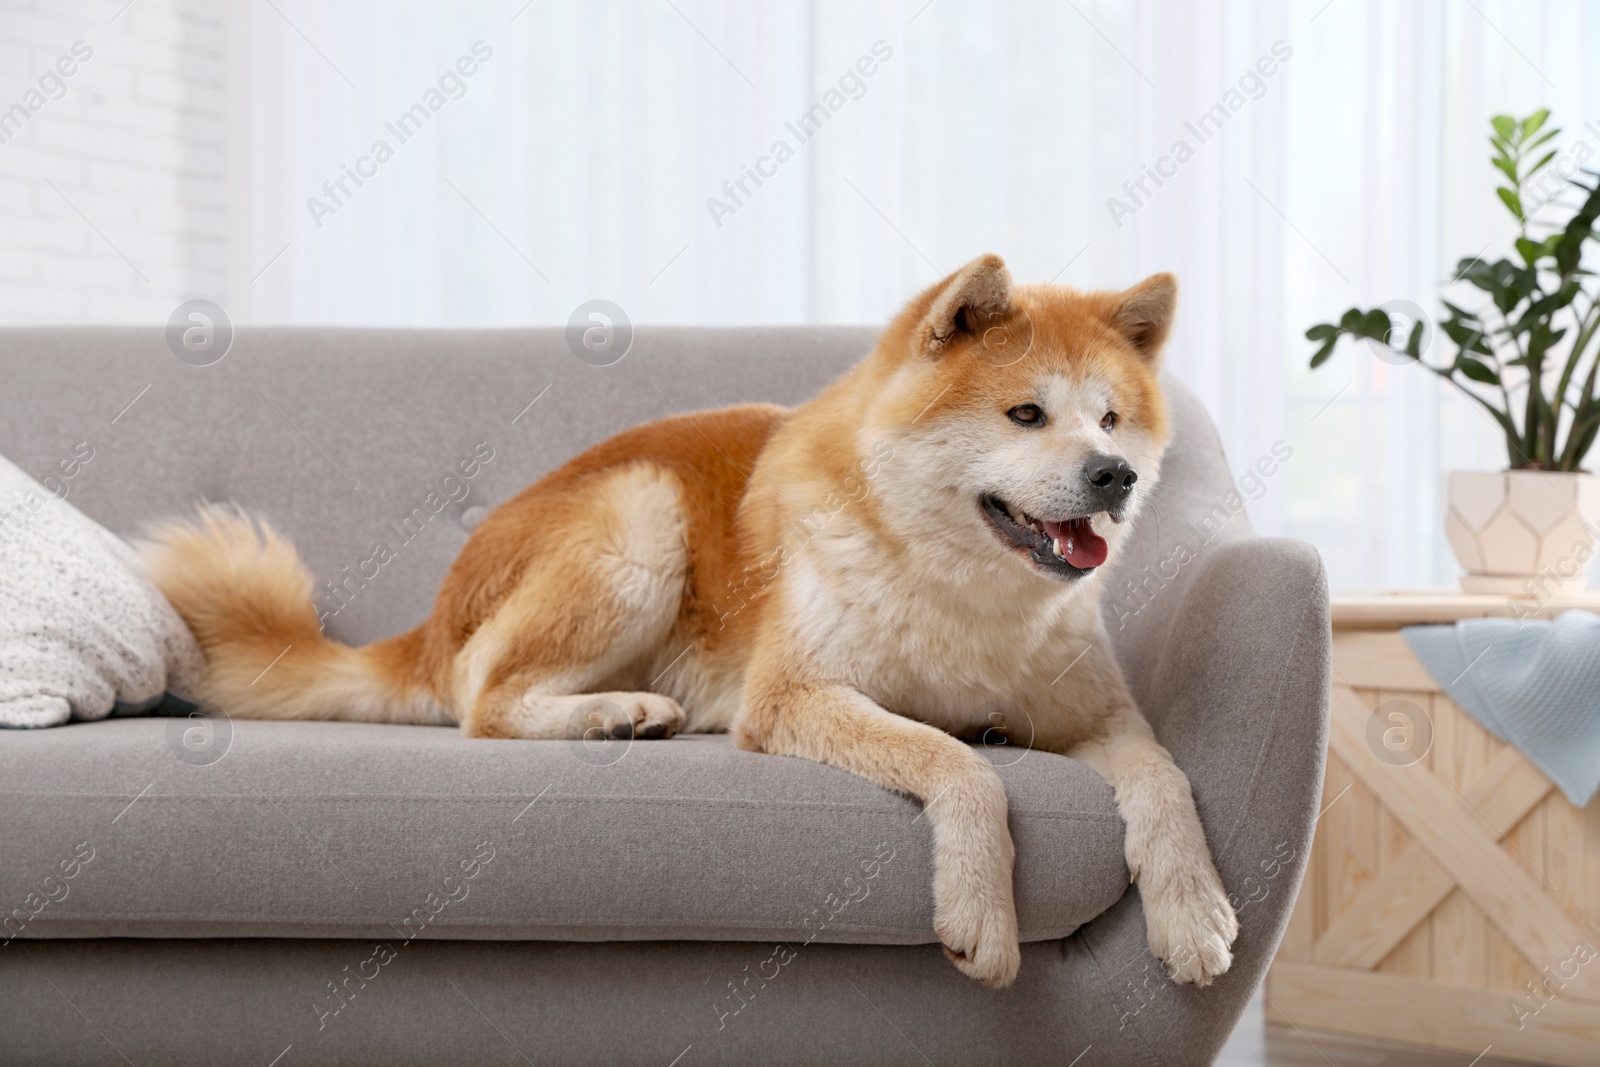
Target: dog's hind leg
<point x="569" y="651"/>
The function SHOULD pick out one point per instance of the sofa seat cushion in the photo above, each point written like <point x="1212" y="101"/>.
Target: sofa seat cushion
<point x="201" y="828"/>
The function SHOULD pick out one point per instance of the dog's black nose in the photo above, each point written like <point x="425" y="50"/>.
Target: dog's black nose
<point x="1110" y="477"/>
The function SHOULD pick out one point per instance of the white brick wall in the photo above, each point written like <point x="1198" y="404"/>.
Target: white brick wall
<point x="136" y="150"/>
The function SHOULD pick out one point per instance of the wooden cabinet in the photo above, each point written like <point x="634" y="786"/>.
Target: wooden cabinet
<point x="1453" y="894"/>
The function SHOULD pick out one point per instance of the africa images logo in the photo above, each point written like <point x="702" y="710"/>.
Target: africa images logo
<point x="851" y="85"/>
<point x="337" y="190"/>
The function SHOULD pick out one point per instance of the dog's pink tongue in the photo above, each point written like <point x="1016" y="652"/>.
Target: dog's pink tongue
<point x="1082" y="547"/>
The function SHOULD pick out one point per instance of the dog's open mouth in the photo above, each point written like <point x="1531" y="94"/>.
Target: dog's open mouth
<point x="1065" y="547"/>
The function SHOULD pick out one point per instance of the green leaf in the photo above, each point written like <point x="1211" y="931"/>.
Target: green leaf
<point x="1529" y="146"/>
<point x="1541" y="338"/>
<point x="1529" y="250"/>
<point x="1531" y="124"/>
<point x="1548" y="156"/>
<point x="1375" y="324"/>
<point x="1505" y="126"/>
<point x="1322" y="332"/>
<point x="1510" y="199"/>
<point x="1479" y="274"/>
<point x="1320" y="356"/>
<point x="1507" y="167"/>
<point x="1468" y="336"/>
<point x="1477" y="370"/>
<point x="1414" y="342"/>
<point x="1524" y="280"/>
<point x="1351" y="320"/>
<point x="1569" y="253"/>
<point x="1534" y="316"/>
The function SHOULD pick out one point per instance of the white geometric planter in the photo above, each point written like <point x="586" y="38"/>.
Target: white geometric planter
<point x="1523" y="533"/>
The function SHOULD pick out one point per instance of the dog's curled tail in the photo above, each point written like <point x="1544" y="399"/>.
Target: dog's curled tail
<point x="248" y="599"/>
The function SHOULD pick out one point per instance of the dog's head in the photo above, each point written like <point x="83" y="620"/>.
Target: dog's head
<point x="1028" y="422"/>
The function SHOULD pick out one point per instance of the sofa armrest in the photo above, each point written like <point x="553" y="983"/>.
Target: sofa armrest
<point x="1238" y="692"/>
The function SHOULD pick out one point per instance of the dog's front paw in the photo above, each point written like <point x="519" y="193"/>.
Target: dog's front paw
<point x="1191" y="927"/>
<point x="980" y="936"/>
<point x="974" y="913"/>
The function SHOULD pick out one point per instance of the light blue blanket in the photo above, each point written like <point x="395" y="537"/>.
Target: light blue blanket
<point x="1535" y="685"/>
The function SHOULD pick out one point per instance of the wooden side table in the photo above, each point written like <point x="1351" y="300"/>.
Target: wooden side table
<point x="1453" y="894"/>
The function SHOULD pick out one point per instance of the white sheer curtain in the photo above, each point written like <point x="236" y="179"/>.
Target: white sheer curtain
<point x="1336" y="157"/>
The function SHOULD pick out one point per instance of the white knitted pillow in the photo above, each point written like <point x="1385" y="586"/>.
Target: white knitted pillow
<point x="82" y="632"/>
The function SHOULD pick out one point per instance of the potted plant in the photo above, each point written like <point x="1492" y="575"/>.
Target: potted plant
<point x="1527" y="357"/>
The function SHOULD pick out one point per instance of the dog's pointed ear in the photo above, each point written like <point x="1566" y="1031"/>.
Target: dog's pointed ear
<point x="963" y="305"/>
<point x="1144" y="313"/>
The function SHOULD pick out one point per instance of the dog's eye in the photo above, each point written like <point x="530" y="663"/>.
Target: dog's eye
<point x="1027" y="415"/>
<point x="1109" y="423"/>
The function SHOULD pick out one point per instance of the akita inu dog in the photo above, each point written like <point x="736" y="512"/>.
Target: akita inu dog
<point x="856" y="581"/>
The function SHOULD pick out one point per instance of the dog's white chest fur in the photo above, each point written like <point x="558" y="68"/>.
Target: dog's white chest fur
<point x="955" y="654"/>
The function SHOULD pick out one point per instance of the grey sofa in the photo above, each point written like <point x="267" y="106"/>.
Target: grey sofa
<point x="319" y="893"/>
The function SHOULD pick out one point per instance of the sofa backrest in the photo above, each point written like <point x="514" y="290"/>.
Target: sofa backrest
<point x="351" y="438"/>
